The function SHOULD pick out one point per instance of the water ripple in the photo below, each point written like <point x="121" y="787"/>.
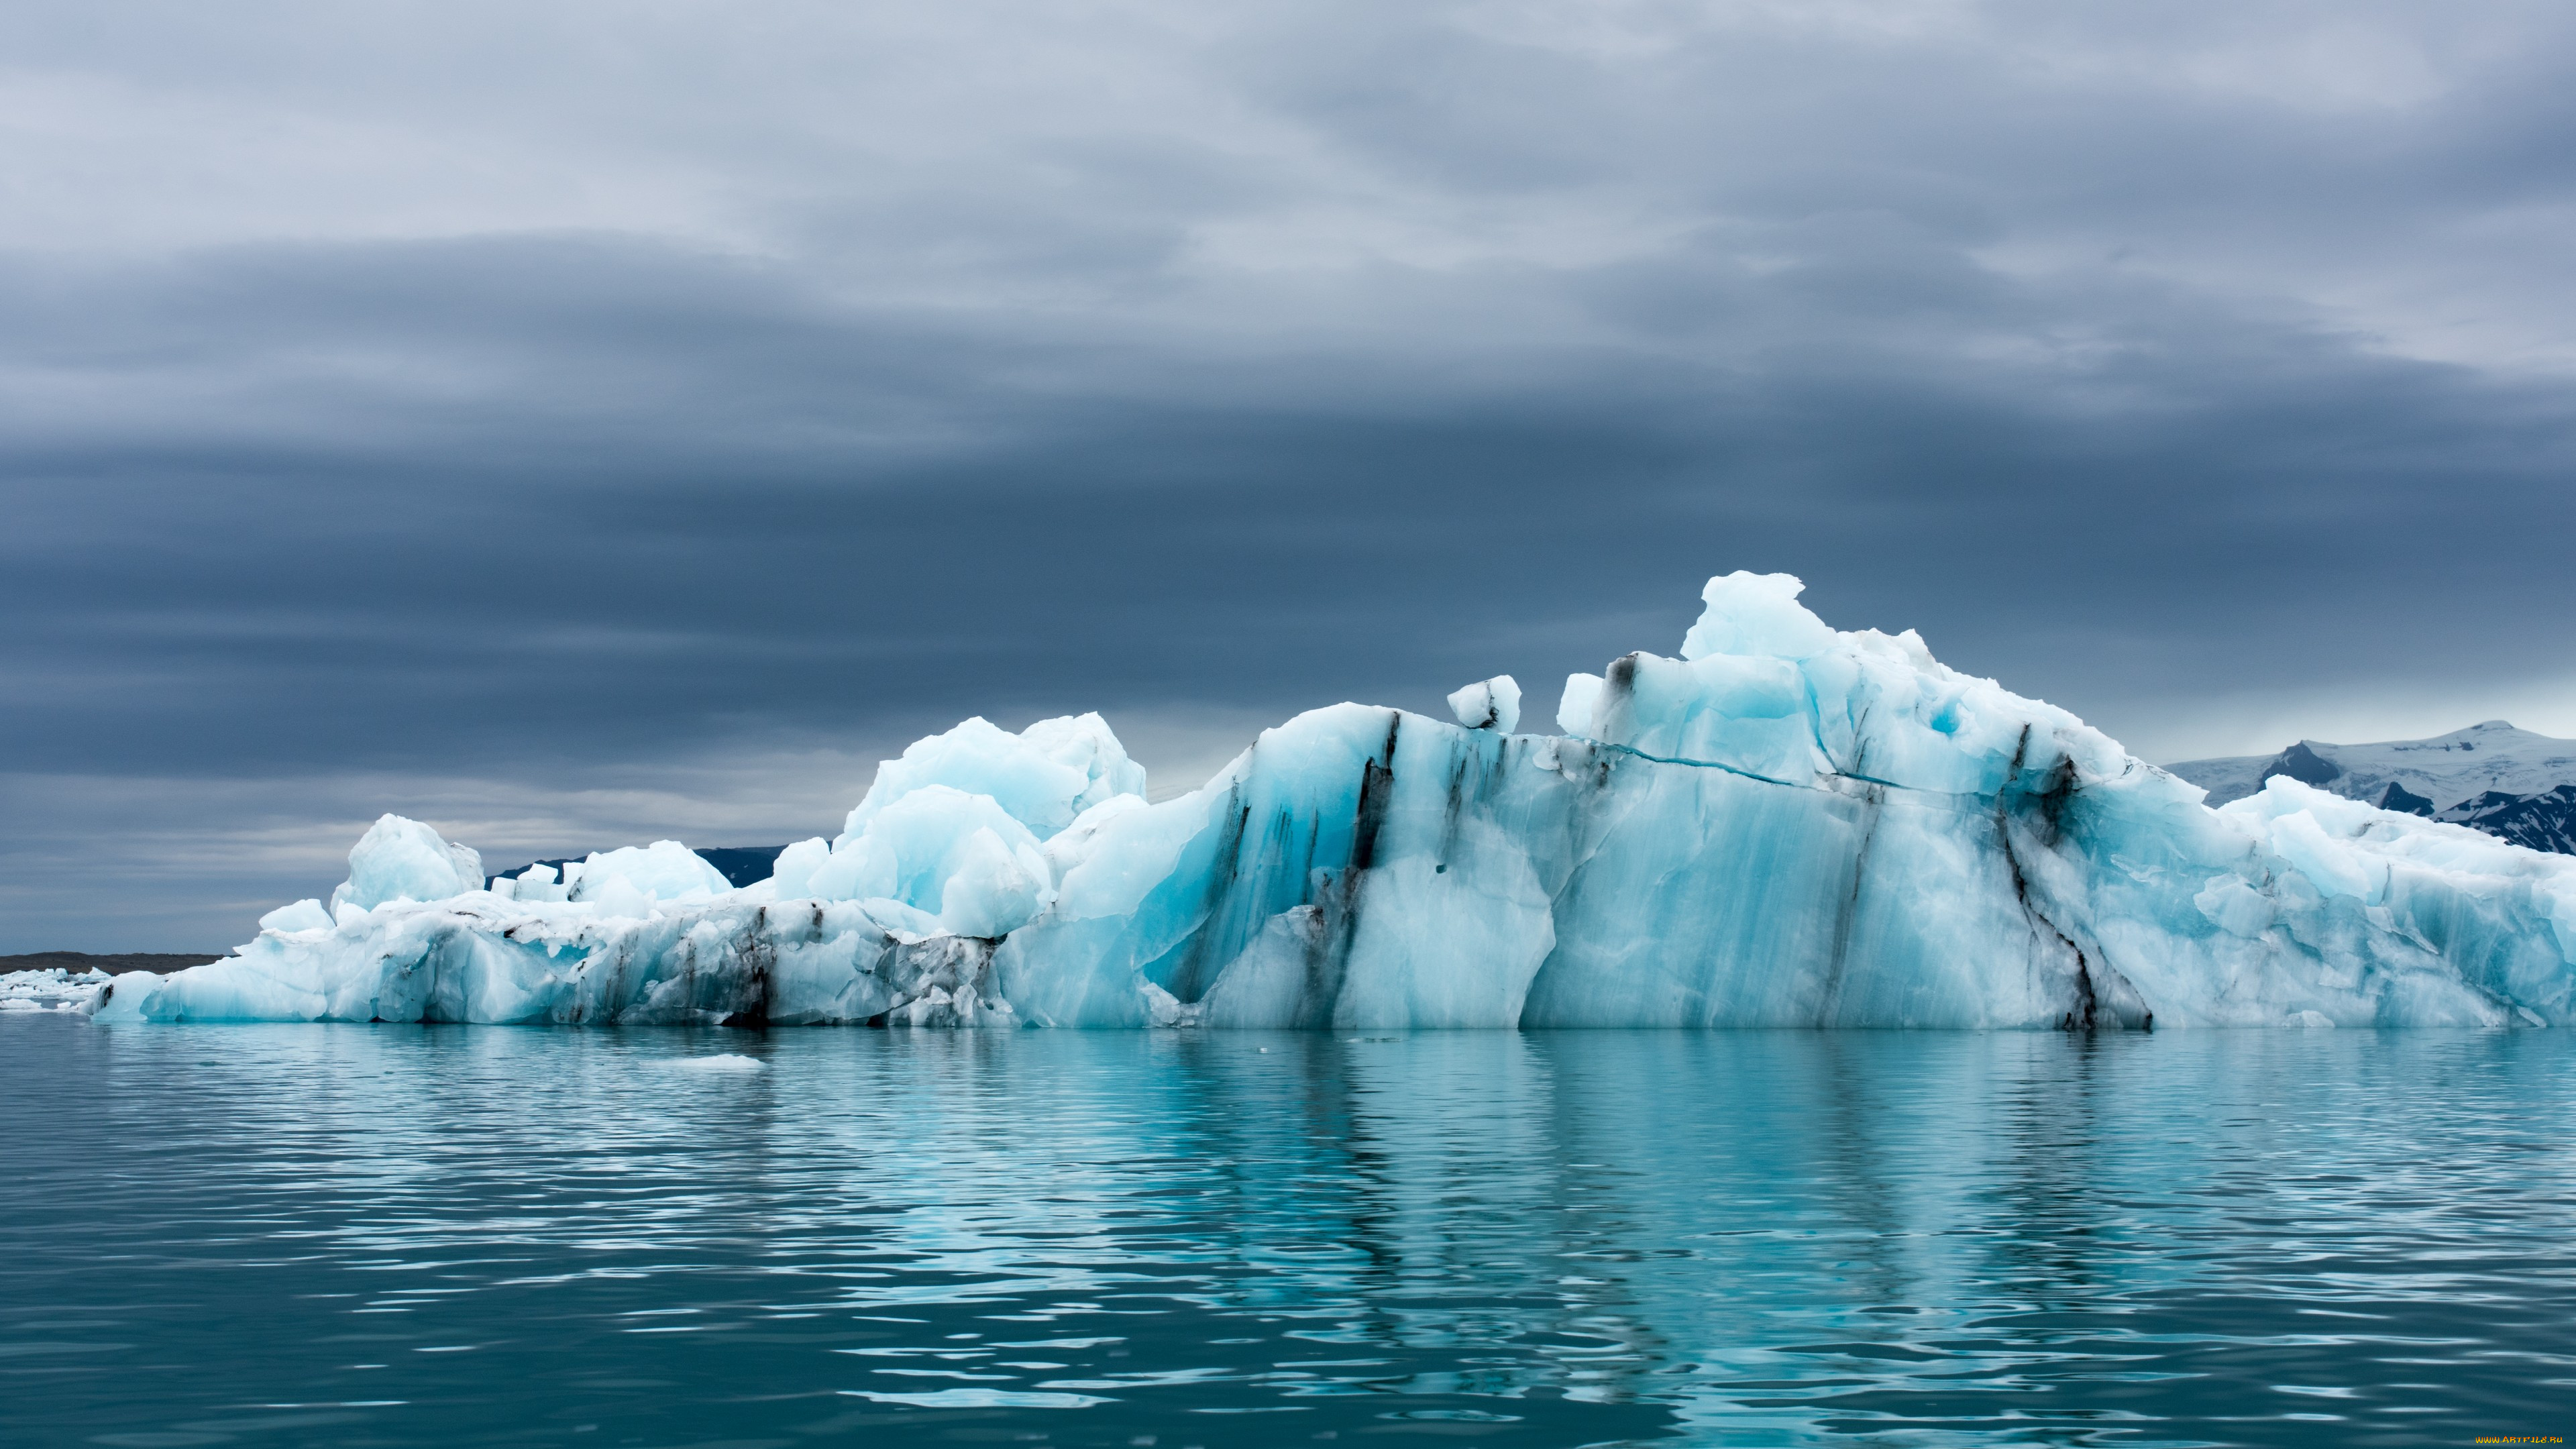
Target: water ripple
<point x="411" y="1236"/>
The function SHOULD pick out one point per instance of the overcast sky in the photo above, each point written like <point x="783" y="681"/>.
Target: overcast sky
<point x="577" y="423"/>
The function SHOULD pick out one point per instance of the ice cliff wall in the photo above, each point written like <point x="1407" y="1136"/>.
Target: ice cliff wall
<point x="1786" y="826"/>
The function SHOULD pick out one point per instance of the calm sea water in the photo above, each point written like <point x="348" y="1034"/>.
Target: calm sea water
<point x="451" y="1236"/>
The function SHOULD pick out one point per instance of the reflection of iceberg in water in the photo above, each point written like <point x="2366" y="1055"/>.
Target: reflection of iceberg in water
<point x="1784" y="1235"/>
<point x="1787" y="826"/>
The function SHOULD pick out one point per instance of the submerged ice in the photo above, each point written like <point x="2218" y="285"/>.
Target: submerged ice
<point x="1787" y="825"/>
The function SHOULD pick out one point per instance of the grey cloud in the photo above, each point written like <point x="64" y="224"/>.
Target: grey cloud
<point x="1241" y="364"/>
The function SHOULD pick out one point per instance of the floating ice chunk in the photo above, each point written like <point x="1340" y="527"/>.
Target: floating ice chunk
<point x="1489" y="704"/>
<point x="399" y="859"/>
<point x="1574" y="711"/>
<point x="721" y="1063"/>
<point x="1042" y="777"/>
<point x="51" y="988"/>
<point x="304" y="915"/>
<point x="666" y="870"/>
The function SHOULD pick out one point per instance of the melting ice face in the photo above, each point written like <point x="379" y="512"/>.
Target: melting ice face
<point x="1785" y="826"/>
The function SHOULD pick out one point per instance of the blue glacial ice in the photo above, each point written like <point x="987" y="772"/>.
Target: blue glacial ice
<point x="1785" y="826"/>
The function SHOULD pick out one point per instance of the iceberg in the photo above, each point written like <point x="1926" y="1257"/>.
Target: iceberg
<point x="1784" y="826"/>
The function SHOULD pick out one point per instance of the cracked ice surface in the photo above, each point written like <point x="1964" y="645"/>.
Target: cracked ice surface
<point x="1786" y="826"/>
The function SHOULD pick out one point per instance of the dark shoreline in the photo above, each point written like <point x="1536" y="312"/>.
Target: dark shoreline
<point x="114" y="965"/>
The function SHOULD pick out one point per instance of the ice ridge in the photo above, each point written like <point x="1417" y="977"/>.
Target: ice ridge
<point x="1786" y="825"/>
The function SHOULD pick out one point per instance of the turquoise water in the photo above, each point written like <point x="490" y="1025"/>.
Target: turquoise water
<point x="447" y="1236"/>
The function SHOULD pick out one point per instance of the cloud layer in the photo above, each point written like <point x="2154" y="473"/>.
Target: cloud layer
<point x="578" y="422"/>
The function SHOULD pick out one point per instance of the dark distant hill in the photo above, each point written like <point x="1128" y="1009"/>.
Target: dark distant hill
<point x="79" y="961"/>
<point x="743" y="864"/>
<point x="2542" y="821"/>
<point x="740" y="865"/>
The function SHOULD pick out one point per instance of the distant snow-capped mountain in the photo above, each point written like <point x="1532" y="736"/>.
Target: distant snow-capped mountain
<point x="2510" y="783"/>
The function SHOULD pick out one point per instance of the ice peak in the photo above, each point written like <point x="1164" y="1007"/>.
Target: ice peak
<point x="1758" y="615"/>
<point x="402" y="859"/>
<point x="1043" y="777"/>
